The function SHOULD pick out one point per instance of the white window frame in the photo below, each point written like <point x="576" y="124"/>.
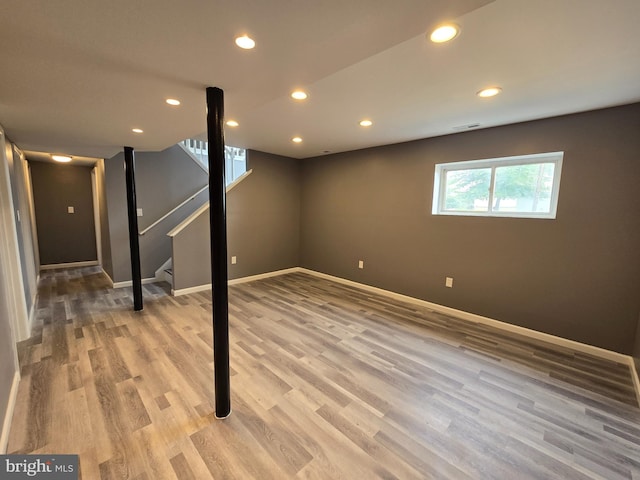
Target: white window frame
<point x="493" y="163"/>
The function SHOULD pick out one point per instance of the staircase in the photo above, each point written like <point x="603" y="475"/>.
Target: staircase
<point x="168" y="275"/>
<point x="235" y="158"/>
<point x="190" y="250"/>
<point x="197" y="247"/>
<point x="199" y="150"/>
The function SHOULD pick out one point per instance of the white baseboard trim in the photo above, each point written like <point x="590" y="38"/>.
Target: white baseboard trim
<point x="276" y="273"/>
<point x="187" y="291"/>
<point x="108" y="277"/>
<point x="53" y="266"/>
<point x="128" y="283"/>
<point x="8" y="414"/>
<point x="235" y="281"/>
<point x="564" y="342"/>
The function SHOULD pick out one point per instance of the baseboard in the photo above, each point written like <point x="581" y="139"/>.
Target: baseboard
<point x="187" y="291"/>
<point x="53" y="266"/>
<point x="564" y="342"/>
<point x="8" y="414"/>
<point x="235" y="281"/>
<point x="252" y="278"/>
<point x="129" y="283"/>
<point x="108" y="278"/>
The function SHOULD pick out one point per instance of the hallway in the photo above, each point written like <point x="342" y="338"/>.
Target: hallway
<point x="328" y="382"/>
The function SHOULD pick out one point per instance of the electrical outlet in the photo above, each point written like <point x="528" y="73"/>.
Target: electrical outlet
<point x="448" y="282"/>
<point x="360" y="263"/>
<point x="234" y="260"/>
<point x="71" y="210"/>
<point x="139" y="211"/>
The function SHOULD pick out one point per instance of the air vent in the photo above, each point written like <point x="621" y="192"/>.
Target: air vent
<point x="466" y="127"/>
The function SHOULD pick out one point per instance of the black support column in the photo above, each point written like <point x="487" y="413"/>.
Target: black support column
<point x="132" y="213"/>
<point x="218" y="225"/>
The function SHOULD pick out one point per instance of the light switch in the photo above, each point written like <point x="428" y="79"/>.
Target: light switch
<point x="139" y="212"/>
<point x="71" y="210"/>
<point x="234" y="260"/>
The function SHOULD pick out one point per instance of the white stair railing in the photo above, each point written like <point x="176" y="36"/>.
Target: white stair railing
<point x="175" y="209"/>
<point x="199" y="149"/>
<point x="235" y="158"/>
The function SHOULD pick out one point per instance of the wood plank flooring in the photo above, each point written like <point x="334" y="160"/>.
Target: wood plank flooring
<point x="328" y="382"/>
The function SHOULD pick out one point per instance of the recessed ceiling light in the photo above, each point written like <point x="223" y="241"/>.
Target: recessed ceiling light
<point x="137" y="130"/>
<point x="296" y="140"/>
<point x="61" y="158"/>
<point x="173" y="101"/>
<point x="489" y="92"/>
<point x="299" y="95"/>
<point x="232" y="123"/>
<point x="245" y="42"/>
<point x="366" y="123"/>
<point x="444" y="33"/>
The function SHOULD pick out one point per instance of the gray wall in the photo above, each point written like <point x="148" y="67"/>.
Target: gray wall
<point x="263" y="216"/>
<point x="576" y="276"/>
<point x="263" y="225"/>
<point x="163" y="180"/>
<point x="191" y="254"/>
<point x="64" y="237"/>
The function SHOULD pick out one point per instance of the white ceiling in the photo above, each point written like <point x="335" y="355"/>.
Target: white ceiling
<point x="76" y="77"/>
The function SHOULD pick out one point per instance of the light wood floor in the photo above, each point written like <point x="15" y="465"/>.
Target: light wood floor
<point x="328" y="382"/>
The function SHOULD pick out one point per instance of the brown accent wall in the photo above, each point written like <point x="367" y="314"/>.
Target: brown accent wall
<point x="575" y="277"/>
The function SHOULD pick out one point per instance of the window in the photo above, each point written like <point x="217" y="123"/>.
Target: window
<point x="523" y="186"/>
